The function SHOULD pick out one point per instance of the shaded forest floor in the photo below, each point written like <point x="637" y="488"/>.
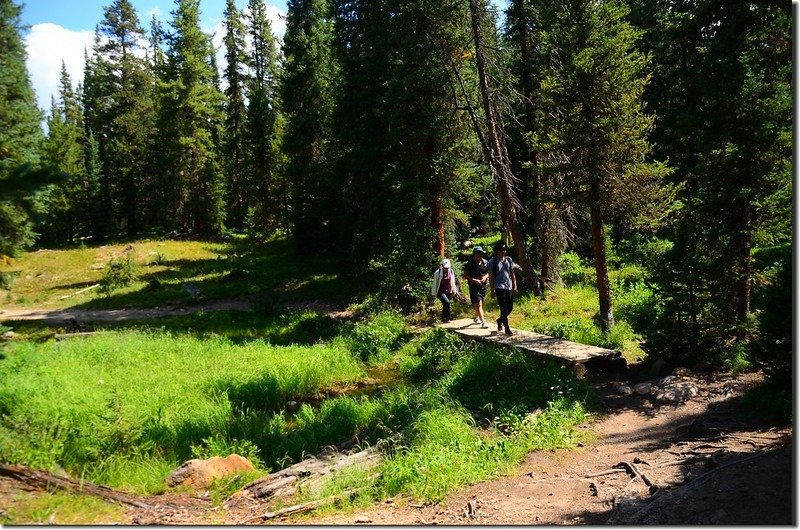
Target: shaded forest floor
<point x="707" y="460"/>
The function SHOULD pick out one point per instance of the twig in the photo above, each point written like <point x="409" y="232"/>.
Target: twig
<point x="606" y="472"/>
<point x="652" y="486"/>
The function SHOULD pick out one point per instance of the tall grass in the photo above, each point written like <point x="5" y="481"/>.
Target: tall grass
<point x="133" y="404"/>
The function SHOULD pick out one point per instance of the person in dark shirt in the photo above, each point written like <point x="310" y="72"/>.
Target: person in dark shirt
<point x="504" y="283"/>
<point x="477" y="275"/>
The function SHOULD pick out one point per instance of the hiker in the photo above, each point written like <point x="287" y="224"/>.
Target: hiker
<point x="477" y="275"/>
<point x="444" y="287"/>
<point x="504" y="283"/>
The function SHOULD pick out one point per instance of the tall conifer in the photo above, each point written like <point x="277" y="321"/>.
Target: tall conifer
<point x="20" y="135"/>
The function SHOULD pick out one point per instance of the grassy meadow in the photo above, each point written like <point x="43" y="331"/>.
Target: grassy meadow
<point x="125" y="407"/>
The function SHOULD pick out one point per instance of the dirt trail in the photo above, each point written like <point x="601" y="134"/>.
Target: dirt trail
<point x="709" y="461"/>
<point x="551" y="488"/>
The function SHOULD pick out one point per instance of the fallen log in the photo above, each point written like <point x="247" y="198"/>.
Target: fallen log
<point x="303" y="507"/>
<point x="311" y="470"/>
<point x="44" y="480"/>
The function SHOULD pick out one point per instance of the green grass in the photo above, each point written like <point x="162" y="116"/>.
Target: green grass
<point x="61" y="509"/>
<point x="124" y="408"/>
<point x="217" y="269"/>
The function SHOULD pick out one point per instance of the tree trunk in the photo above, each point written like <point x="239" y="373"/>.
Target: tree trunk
<point x="742" y="247"/>
<point x="600" y="261"/>
<point x="498" y="155"/>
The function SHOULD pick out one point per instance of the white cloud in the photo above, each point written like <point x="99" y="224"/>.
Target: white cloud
<point x="48" y="44"/>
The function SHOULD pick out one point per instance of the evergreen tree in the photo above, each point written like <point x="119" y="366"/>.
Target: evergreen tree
<point x="306" y="96"/>
<point x="599" y="125"/>
<point x="64" y="149"/>
<point x="189" y="118"/>
<point x="547" y="210"/>
<point x="235" y="116"/>
<point x="128" y="107"/>
<point x="20" y="137"/>
<point x="403" y="142"/>
<point x="269" y="199"/>
<point x="722" y="92"/>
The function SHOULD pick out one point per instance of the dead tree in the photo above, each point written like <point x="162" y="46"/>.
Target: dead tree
<point x="497" y="153"/>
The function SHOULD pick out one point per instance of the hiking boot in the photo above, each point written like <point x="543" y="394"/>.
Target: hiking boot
<point x="483" y="325"/>
<point x="509" y="332"/>
<point x="476" y="320"/>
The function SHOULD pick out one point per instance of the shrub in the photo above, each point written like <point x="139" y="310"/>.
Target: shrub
<point x="6" y="280"/>
<point x="432" y="355"/>
<point x="379" y="336"/>
<point x="120" y="272"/>
<point x="573" y="269"/>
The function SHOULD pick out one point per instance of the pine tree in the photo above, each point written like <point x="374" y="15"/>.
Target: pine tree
<point x="599" y="124"/>
<point x="722" y="92"/>
<point x="269" y="199"/>
<point x="128" y="105"/>
<point x="189" y="116"/>
<point x="307" y="102"/>
<point x="235" y="116"/>
<point x="540" y="191"/>
<point x="20" y="137"/>
<point x="68" y="206"/>
<point x="402" y="141"/>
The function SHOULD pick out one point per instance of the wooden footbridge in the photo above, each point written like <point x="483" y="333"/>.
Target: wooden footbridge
<point x="579" y="356"/>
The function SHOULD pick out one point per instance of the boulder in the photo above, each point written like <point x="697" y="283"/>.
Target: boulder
<point x="621" y="388"/>
<point x="643" y="388"/>
<point x="198" y="473"/>
<point x="667" y="380"/>
<point x="676" y="393"/>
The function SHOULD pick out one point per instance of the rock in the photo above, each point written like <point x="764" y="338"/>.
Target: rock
<point x="98" y="266"/>
<point x="676" y="393"/>
<point x="192" y="289"/>
<point x="362" y="519"/>
<point x="666" y="380"/>
<point x="681" y="371"/>
<point x="621" y="388"/>
<point x="198" y="473"/>
<point x="9" y="335"/>
<point x="643" y="388"/>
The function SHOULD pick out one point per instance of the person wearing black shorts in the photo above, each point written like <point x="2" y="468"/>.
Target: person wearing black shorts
<point x="477" y="275"/>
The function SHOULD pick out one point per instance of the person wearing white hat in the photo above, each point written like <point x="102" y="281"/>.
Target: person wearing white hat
<point x="444" y="287"/>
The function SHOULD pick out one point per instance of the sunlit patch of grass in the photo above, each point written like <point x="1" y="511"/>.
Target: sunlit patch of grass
<point x="59" y="508"/>
<point x="44" y="276"/>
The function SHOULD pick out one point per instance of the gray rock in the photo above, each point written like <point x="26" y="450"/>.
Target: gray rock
<point x="676" y="393"/>
<point x="667" y="380"/>
<point x="621" y="388"/>
<point x="681" y="371"/>
<point x="643" y="388"/>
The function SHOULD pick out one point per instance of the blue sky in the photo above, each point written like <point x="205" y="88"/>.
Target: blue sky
<point x="60" y="30"/>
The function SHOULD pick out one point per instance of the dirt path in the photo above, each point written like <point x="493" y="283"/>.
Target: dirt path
<point x="55" y="316"/>
<point x="551" y="488"/>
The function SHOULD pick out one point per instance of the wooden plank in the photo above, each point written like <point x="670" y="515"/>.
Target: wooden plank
<point x="573" y="352"/>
